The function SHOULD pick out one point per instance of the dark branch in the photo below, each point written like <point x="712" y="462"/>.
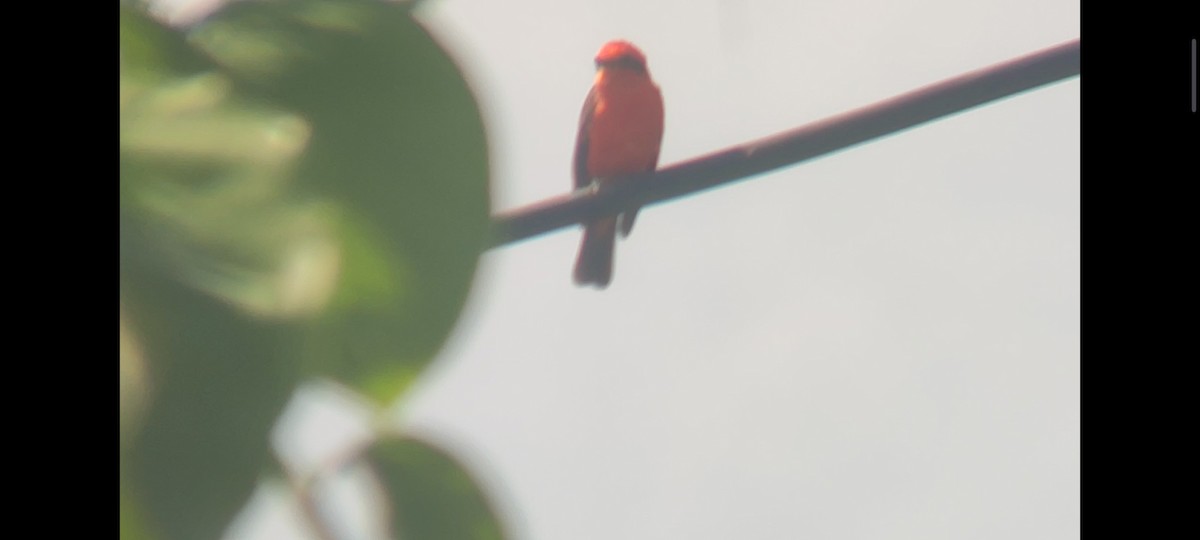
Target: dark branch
<point x="819" y="138"/>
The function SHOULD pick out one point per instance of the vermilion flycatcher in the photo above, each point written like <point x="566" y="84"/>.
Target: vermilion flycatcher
<point x="620" y="132"/>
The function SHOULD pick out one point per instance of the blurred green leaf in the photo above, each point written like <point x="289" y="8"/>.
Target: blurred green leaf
<point x="432" y="497"/>
<point x="134" y="383"/>
<point x="207" y="192"/>
<point x="220" y="377"/>
<point x="152" y="51"/>
<point x="132" y="522"/>
<point x="398" y="141"/>
<point x="303" y="185"/>
<point x="213" y="276"/>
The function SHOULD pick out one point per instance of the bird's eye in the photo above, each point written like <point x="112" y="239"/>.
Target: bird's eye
<point x="631" y="63"/>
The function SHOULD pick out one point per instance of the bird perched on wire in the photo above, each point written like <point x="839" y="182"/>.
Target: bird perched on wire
<point x="620" y="132"/>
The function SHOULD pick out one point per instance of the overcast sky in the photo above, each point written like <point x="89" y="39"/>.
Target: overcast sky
<point x="882" y="343"/>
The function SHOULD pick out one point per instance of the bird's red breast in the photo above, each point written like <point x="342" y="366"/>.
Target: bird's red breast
<point x="625" y="127"/>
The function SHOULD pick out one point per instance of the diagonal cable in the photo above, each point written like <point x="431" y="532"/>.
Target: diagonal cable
<point x="950" y="96"/>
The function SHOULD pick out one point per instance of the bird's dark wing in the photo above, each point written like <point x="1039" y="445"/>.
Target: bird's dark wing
<point x="582" y="178"/>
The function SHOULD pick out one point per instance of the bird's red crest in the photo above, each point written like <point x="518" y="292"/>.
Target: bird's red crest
<point x="618" y="49"/>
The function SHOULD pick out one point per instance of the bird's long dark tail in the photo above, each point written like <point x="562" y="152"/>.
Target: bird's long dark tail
<point x="595" y="263"/>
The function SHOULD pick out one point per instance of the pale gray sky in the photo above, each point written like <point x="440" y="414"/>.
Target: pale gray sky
<point x="883" y="343"/>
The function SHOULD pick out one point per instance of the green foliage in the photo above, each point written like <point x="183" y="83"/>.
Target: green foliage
<point x="219" y="379"/>
<point x="433" y="496"/>
<point x="398" y="141"/>
<point x="303" y="193"/>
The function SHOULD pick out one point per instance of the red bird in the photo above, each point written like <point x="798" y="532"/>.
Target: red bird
<point x="620" y="132"/>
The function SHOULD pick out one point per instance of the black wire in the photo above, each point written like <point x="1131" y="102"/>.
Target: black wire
<point x="790" y="147"/>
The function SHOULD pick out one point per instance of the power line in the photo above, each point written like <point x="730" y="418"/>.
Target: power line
<point x="790" y="147"/>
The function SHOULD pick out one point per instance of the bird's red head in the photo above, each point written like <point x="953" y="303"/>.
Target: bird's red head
<point x="621" y="53"/>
